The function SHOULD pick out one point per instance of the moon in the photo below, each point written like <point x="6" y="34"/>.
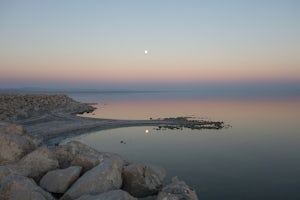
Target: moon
<point x="146" y="52"/>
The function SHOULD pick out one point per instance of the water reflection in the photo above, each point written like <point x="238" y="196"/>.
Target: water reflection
<point x="258" y="158"/>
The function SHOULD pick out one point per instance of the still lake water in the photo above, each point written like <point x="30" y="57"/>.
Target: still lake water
<point x="257" y="158"/>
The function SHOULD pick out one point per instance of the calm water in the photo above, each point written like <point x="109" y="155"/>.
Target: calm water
<point x="258" y="158"/>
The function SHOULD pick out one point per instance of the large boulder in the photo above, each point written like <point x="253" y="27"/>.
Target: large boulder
<point x="14" y="143"/>
<point x="58" y="181"/>
<point x="33" y="165"/>
<point x="111" y="195"/>
<point x="37" y="163"/>
<point x="142" y="180"/>
<point x="19" y="187"/>
<point x="13" y="169"/>
<point x="4" y="171"/>
<point x="102" y="178"/>
<point x="63" y="154"/>
<point x="77" y="153"/>
<point x="177" y="190"/>
<point x="86" y="160"/>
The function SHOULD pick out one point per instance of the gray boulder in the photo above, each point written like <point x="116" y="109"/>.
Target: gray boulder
<point x="102" y="178"/>
<point x="37" y="163"/>
<point x="20" y="187"/>
<point x="33" y="165"/>
<point x="14" y="143"/>
<point x="4" y="171"/>
<point x="177" y="190"/>
<point x="77" y="153"/>
<point x="63" y="154"/>
<point x="78" y="147"/>
<point x="15" y="169"/>
<point x="86" y="160"/>
<point x="58" y="181"/>
<point x="111" y="195"/>
<point x="142" y="180"/>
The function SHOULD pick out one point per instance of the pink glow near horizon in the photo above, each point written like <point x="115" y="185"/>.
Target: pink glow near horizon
<point x="166" y="74"/>
<point x="194" y="42"/>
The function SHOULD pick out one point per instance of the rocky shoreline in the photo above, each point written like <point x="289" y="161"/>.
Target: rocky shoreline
<point x="31" y="170"/>
<point x="31" y="167"/>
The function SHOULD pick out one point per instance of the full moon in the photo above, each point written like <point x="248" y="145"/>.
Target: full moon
<point x="146" y="51"/>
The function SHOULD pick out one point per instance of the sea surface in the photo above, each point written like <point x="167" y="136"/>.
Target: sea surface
<point x="258" y="157"/>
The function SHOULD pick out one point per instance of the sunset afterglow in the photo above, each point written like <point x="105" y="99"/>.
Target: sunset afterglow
<point x="190" y="42"/>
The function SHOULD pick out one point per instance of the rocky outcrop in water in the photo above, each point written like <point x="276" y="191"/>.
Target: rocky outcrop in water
<point x="178" y="123"/>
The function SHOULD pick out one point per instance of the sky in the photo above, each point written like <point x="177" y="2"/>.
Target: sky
<point x="76" y="43"/>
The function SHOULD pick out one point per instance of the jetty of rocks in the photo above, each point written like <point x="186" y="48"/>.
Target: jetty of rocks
<point x="31" y="170"/>
<point x="35" y="166"/>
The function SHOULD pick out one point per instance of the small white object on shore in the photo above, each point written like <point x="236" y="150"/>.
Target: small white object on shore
<point x="147" y="131"/>
<point x="146" y="52"/>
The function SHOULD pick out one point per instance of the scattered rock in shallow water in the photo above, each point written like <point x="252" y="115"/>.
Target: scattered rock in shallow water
<point x="186" y="122"/>
<point x="111" y="195"/>
<point x="177" y="190"/>
<point x="102" y="178"/>
<point x="142" y="180"/>
<point x="21" y="188"/>
<point x="58" y="181"/>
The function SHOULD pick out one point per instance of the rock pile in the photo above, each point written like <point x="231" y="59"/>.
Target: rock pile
<point x="75" y="171"/>
<point x="14" y="107"/>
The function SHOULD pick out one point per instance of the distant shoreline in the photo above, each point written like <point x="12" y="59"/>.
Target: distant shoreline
<point x="53" y="118"/>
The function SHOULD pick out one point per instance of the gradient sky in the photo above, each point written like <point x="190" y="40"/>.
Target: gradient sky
<point x="189" y="41"/>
